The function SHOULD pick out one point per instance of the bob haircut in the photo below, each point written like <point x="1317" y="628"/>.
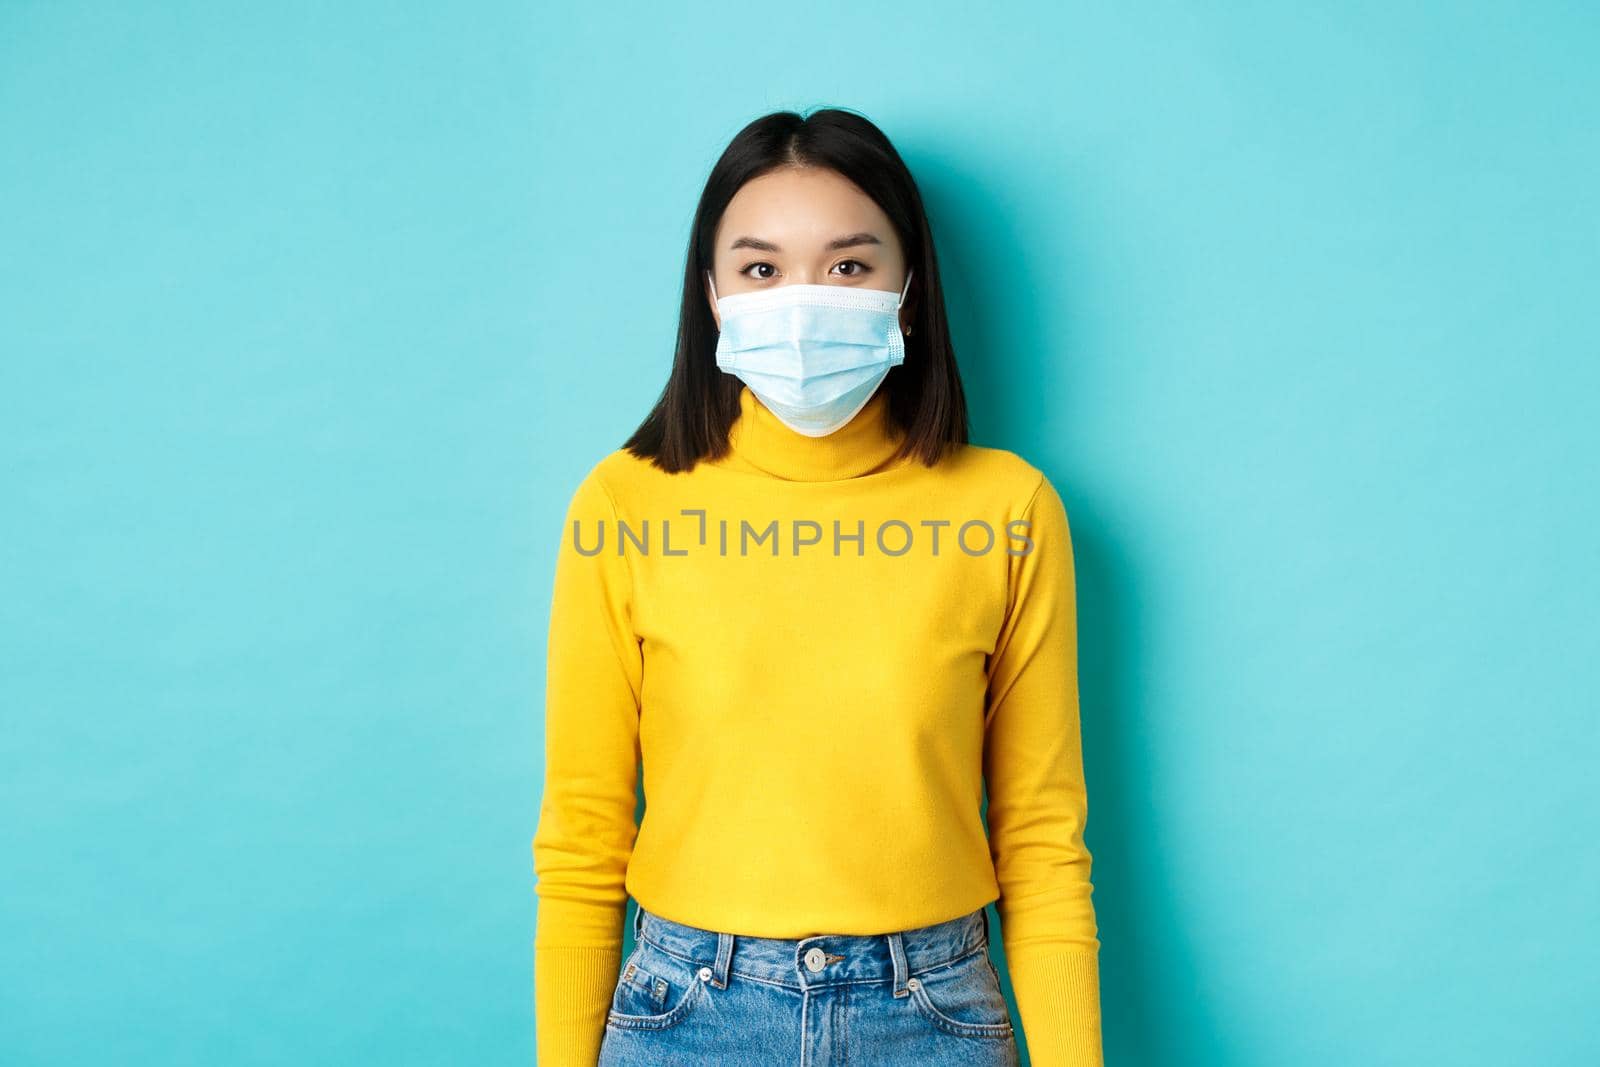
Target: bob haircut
<point x="691" y="419"/>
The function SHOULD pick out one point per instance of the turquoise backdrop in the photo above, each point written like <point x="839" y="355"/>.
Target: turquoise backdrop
<point x="312" y="316"/>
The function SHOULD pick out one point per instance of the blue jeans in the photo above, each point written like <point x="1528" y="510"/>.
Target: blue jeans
<point x="928" y="996"/>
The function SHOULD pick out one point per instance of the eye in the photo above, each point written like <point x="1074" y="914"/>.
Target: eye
<point x="745" y="270"/>
<point x="856" y="273"/>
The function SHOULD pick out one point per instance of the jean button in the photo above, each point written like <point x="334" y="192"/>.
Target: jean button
<point x="815" y="959"/>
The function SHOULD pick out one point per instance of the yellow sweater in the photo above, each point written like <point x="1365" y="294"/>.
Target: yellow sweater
<point x="821" y="658"/>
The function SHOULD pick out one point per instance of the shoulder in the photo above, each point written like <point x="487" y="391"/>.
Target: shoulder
<point x="617" y="479"/>
<point x="591" y="494"/>
<point x="1005" y="473"/>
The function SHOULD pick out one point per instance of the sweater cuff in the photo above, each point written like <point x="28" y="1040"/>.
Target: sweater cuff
<point x="572" y="990"/>
<point x="1058" y="997"/>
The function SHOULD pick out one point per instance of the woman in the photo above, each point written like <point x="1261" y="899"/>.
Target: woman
<point x="824" y="622"/>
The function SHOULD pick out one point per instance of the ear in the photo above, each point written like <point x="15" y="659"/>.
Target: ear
<point x="908" y="307"/>
<point x="710" y="290"/>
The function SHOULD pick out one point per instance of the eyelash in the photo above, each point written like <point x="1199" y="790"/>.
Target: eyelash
<point x="763" y="263"/>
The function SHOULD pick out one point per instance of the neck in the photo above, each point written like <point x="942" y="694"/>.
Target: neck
<point x="760" y="442"/>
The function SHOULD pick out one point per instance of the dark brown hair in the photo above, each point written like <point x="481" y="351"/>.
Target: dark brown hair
<point x="700" y="402"/>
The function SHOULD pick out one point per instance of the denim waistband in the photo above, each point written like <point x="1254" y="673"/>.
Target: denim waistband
<point x="819" y="960"/>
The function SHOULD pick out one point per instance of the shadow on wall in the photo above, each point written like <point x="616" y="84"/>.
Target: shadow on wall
<point x="1019" y="371"/>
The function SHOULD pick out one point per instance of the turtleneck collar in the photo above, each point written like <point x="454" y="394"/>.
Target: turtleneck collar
<point x="760" y="442"/>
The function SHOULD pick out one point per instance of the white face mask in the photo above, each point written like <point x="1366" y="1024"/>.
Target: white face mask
<point x="813" y="354"/>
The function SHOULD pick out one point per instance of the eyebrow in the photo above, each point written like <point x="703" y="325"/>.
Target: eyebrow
<point x="847" y="241"/>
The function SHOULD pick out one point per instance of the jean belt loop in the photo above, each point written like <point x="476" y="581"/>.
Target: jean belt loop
<point x="902" y="971"/>
<point x="638" y="921"/>
<point x="719" y="973"/>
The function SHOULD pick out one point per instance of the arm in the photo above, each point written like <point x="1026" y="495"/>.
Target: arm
<point x="586" y="820"/>
<point x="1038" y="803"/>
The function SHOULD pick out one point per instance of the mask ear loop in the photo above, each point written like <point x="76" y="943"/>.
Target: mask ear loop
<point x="713" y="282"/>
<point x="903" y="291"/>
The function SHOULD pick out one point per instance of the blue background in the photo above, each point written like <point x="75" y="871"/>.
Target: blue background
<point x="312" y="316"/>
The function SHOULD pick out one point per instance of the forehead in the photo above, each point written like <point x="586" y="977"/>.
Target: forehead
<point x="800" y="209"/>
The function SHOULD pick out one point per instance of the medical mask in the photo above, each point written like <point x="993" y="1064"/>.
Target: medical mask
<point x="813" y="354"/>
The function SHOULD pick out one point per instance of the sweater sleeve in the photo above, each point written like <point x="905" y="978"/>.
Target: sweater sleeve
<point x="1038" y="802"/>
<point x="586" y="826"/>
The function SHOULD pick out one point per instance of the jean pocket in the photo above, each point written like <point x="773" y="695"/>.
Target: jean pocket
<point x="963" y="997"/>
<point x="655" y="990"/>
